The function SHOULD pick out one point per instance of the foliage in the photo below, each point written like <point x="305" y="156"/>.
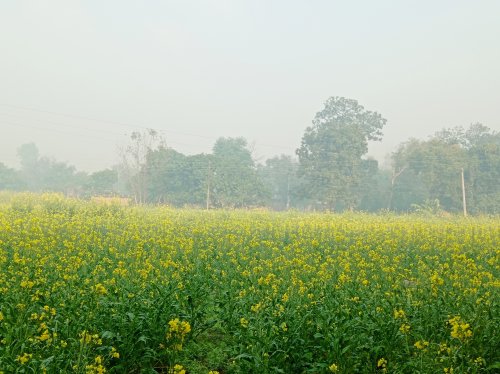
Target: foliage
<point x="235" y="179"/>
<point x="177" y="179"/>
<point x="332" y="171"/>
<point x="101" y="182"/>
<point x="483" y="170"/>
<point x="279" y="175"/>
<point x="10" y="179"/>
<point x="428" y="207"/>
<point x="431" y="169"/>
<point x="375" y="187"/>
<point x="331" y="152"/>
<point x="44" y="174"/>
<point x="437" y="165"/>
<point x="88" y="288"/>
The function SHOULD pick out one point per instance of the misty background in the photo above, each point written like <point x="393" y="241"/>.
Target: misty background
<point x="78" y="78"/>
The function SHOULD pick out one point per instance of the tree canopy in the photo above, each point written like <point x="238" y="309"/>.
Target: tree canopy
<point x="331" y="151"/>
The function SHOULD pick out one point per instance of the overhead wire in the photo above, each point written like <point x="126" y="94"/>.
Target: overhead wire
<point x="129" y="125"/>
<point x="93" y="136"/>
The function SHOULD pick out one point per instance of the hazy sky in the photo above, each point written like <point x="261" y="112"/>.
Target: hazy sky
<point x="77" y="76"/>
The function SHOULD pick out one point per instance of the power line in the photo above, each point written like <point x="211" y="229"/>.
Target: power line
<point x="17" y="124"/>
<point x="65" y="125"/>
<point x="128" y="125"/>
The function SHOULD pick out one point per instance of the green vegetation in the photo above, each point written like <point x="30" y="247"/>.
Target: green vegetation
<point x="331" y="173"/>
<point x="98" y="287"/>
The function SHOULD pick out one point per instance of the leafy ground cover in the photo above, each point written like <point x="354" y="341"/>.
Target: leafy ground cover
<point x="93" y="288"/>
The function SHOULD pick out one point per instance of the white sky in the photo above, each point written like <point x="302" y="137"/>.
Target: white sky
<point x="77" y="76"/>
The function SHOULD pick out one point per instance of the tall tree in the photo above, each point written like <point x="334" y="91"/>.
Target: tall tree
<point x="58" y="176"/>
<point x="178" y="179"/>
<point x="134" y="162"/>
<point x="235" y="179"/>
<point x="331" y="152"/>
<point x="483" y="169"/>
<point x="45" y="174"/>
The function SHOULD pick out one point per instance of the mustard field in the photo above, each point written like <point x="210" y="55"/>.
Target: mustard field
<point x="103" y="288"/>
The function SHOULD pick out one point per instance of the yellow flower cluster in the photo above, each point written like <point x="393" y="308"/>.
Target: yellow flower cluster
<point x="114" y="353"/>
<point x="404" y="328"/>
<point x="177" y="332"/>
<point x="399" y="313"/>
<point x="24" y="358"/>
<point x="459" y="329"/>
<point x="334" y="368"/>
<point x="88" y="338"/>
<point x="177" y="369"/>
<point x="421" y="344"/>
<point x="97" y="367"/>
<point x="177" y="327"/>
<point x="382" y="364"/>
<point x="100" y="289"/>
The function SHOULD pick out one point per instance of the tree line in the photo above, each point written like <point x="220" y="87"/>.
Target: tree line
<point x="330" y="170"/>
